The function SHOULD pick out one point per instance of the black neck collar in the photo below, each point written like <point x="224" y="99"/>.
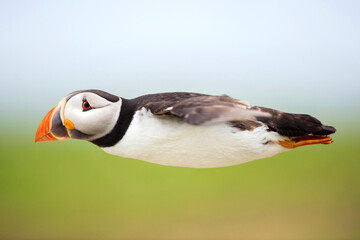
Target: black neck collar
<point x="125" y="116"/>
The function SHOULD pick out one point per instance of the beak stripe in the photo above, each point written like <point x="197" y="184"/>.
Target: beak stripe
<point x="45" y="131"/>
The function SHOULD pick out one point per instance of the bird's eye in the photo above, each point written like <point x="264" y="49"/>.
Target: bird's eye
<point x="85" y="105"/>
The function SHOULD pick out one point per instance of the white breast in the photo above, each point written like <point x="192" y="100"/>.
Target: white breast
<point x="169" y="141"/>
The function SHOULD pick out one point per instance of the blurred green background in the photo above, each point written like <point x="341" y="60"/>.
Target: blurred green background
<point x="74" y="190"/>
<point x="295" y="56"/>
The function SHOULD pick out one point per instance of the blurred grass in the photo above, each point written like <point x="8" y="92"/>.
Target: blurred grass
<point x="74" y="190"/>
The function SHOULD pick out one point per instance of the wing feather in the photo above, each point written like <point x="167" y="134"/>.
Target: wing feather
<point x="201" y="109"/>
<point x="207" y="110"/>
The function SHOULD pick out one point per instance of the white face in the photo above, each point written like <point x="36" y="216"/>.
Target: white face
<point x="94" y="122"/>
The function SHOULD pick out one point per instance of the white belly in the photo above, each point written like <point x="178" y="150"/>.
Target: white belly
<point x="169" y="141"/>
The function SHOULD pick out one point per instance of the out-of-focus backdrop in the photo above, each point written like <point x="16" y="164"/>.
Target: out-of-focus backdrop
<point x="297" y="56"/>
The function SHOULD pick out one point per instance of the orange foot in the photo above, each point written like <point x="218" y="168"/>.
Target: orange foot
<point x="302" y="141"/>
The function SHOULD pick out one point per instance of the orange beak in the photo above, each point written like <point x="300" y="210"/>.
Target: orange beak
<point x="51" y="127"/>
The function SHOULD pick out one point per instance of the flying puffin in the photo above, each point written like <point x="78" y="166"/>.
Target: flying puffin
<point x="180" y="128"/>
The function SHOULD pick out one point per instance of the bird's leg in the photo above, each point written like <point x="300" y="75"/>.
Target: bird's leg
<point x="302" y="141"/>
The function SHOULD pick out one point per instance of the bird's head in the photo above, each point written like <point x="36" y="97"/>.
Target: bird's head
<point x="85" y="114"/>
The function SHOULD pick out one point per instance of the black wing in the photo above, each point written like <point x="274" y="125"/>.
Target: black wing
<point x="200" y="109"/>
<point x="293" y="125"/>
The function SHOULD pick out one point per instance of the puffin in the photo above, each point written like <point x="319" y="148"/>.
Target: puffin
<point x="182" y="129"/>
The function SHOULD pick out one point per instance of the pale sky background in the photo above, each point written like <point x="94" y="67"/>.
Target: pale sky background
<point x="291" y="55"/>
